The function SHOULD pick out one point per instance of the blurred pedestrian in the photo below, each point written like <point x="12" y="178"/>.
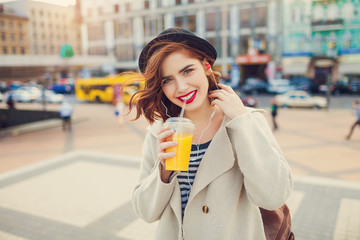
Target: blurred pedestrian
<point x="10" y="102"/>
<point x="119" y="109"/>
<point x="66" y="111"/>
<point x="274" y="112"/>
<point x="236" y="165"/>
<point x="357" y="122"/>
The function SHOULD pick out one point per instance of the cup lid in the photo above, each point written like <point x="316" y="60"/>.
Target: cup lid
<point x="183" y="121"/>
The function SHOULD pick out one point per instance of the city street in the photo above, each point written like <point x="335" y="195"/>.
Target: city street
<point x="78" y="184"/>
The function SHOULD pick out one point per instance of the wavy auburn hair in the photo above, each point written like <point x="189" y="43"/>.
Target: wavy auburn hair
<point x="149" y="101"/>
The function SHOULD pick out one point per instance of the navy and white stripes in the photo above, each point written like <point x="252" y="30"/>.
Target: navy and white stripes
<point x="186" y="179"/>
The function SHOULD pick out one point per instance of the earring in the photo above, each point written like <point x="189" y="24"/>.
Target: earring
<point x="208" y="67"/>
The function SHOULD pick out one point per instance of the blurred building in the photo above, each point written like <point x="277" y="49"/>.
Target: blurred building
<point x="14" y="33"/>
<point x="322" y="39"/>
<point x="50" y="26"/>
<point x="244" y="33"/>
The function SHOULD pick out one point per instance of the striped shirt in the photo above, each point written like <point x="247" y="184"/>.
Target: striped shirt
<point x="186" y="179"/>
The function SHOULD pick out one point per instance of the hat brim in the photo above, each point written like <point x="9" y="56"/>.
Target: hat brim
<point x="190" y="40"/>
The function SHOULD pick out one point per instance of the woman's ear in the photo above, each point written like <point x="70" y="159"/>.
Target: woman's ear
<point x="207" y="67"/>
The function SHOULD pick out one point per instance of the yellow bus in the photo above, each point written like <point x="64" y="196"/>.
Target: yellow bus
<point x="105" y="89"/>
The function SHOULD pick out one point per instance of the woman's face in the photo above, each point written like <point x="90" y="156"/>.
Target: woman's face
<point x="184" y="80"/>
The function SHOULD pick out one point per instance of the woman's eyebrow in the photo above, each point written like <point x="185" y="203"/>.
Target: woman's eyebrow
<point x="186" y="67"/>
<point x="180" y="71"/>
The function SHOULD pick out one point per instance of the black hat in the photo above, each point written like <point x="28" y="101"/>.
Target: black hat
<point x="176" y="35"/>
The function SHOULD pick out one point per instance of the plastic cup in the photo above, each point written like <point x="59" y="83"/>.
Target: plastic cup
<point x="184" y="129"/>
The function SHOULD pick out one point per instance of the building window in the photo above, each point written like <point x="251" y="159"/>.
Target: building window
<point x="128" y="7"/>
<point x="261" y="16"/>
<point x="192" y="23"/>
<point x="178" y="2"/>
<point x="5" y="50"/>
<point x="11" y="24"/>
<point x="96" y="31"/>
<point x="125" y="52"/>
<point x="12" y="37"/>
<point x="100" y="11"/>
<point x="13" y="50"/>
<point x="153" y="25"/>
<point x="179" y="22"/>
<point x="244" y="44"/>
<point x="116" y="8"/>
<point x="3" y="36"/>
<point x="20" y="26"/>
<point x="2" y="25"/>
<point x="216" y="42"/>
<point x="245" y="16"/>
<point x="159" y="3"/>
<point x="211" y="19"/>
<point x="191" y="1"/>
<point x="22" y="50"/>
<point x="146" y="4"/>
<point x="260" y="43"/>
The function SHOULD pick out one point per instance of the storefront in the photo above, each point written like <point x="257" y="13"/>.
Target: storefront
<point x="252" y="65"/>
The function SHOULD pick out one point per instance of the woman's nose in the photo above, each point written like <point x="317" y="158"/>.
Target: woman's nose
<point x="182" y="85"/>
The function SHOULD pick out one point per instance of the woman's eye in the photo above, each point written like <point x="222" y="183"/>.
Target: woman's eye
<point x="166" y="80"/>
<point x="187" y="71"/>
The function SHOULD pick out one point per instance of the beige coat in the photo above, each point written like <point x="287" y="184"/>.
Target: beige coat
<point x="224" y="200"/>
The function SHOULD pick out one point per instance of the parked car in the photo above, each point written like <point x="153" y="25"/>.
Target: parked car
<point x="354" y="86"/>
<point x="19" y="95"/>
<point x="32" y="90"/>
<point x="337" y="88"/>
<point x="62" y="88"/>
<point x="248" y="101"/>
<point x="254" y="86"/>
<point x="279" y="86"/>
<point x="300" y="83"/>
<point x="4" y="87"/>
<point x="51" y="97"/>
<point x="300" y="99"/>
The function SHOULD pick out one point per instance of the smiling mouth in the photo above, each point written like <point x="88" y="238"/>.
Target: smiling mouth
<point x="188" y="98"/>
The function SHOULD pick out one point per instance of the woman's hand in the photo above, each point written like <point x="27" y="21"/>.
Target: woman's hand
<point x="165" y="142"/>
<point x="228" y="101"/>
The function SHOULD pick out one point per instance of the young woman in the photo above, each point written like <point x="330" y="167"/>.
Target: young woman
<point x="236" y="165"/>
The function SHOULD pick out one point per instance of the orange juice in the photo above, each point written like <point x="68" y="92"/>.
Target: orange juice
<point x="181" y="160"/>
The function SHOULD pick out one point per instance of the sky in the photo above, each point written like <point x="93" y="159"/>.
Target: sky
<point x="57" y="2"/>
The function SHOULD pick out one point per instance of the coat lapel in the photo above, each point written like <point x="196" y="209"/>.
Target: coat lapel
<point x="175" y="202"/>
<point x="218" y="159"/>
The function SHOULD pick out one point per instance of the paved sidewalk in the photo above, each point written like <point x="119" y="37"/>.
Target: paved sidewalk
<point x="77" y="185"/>
<point x="86" y="195"/>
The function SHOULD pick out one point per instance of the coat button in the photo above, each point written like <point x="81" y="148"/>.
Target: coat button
<point x="205" y="209"/>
